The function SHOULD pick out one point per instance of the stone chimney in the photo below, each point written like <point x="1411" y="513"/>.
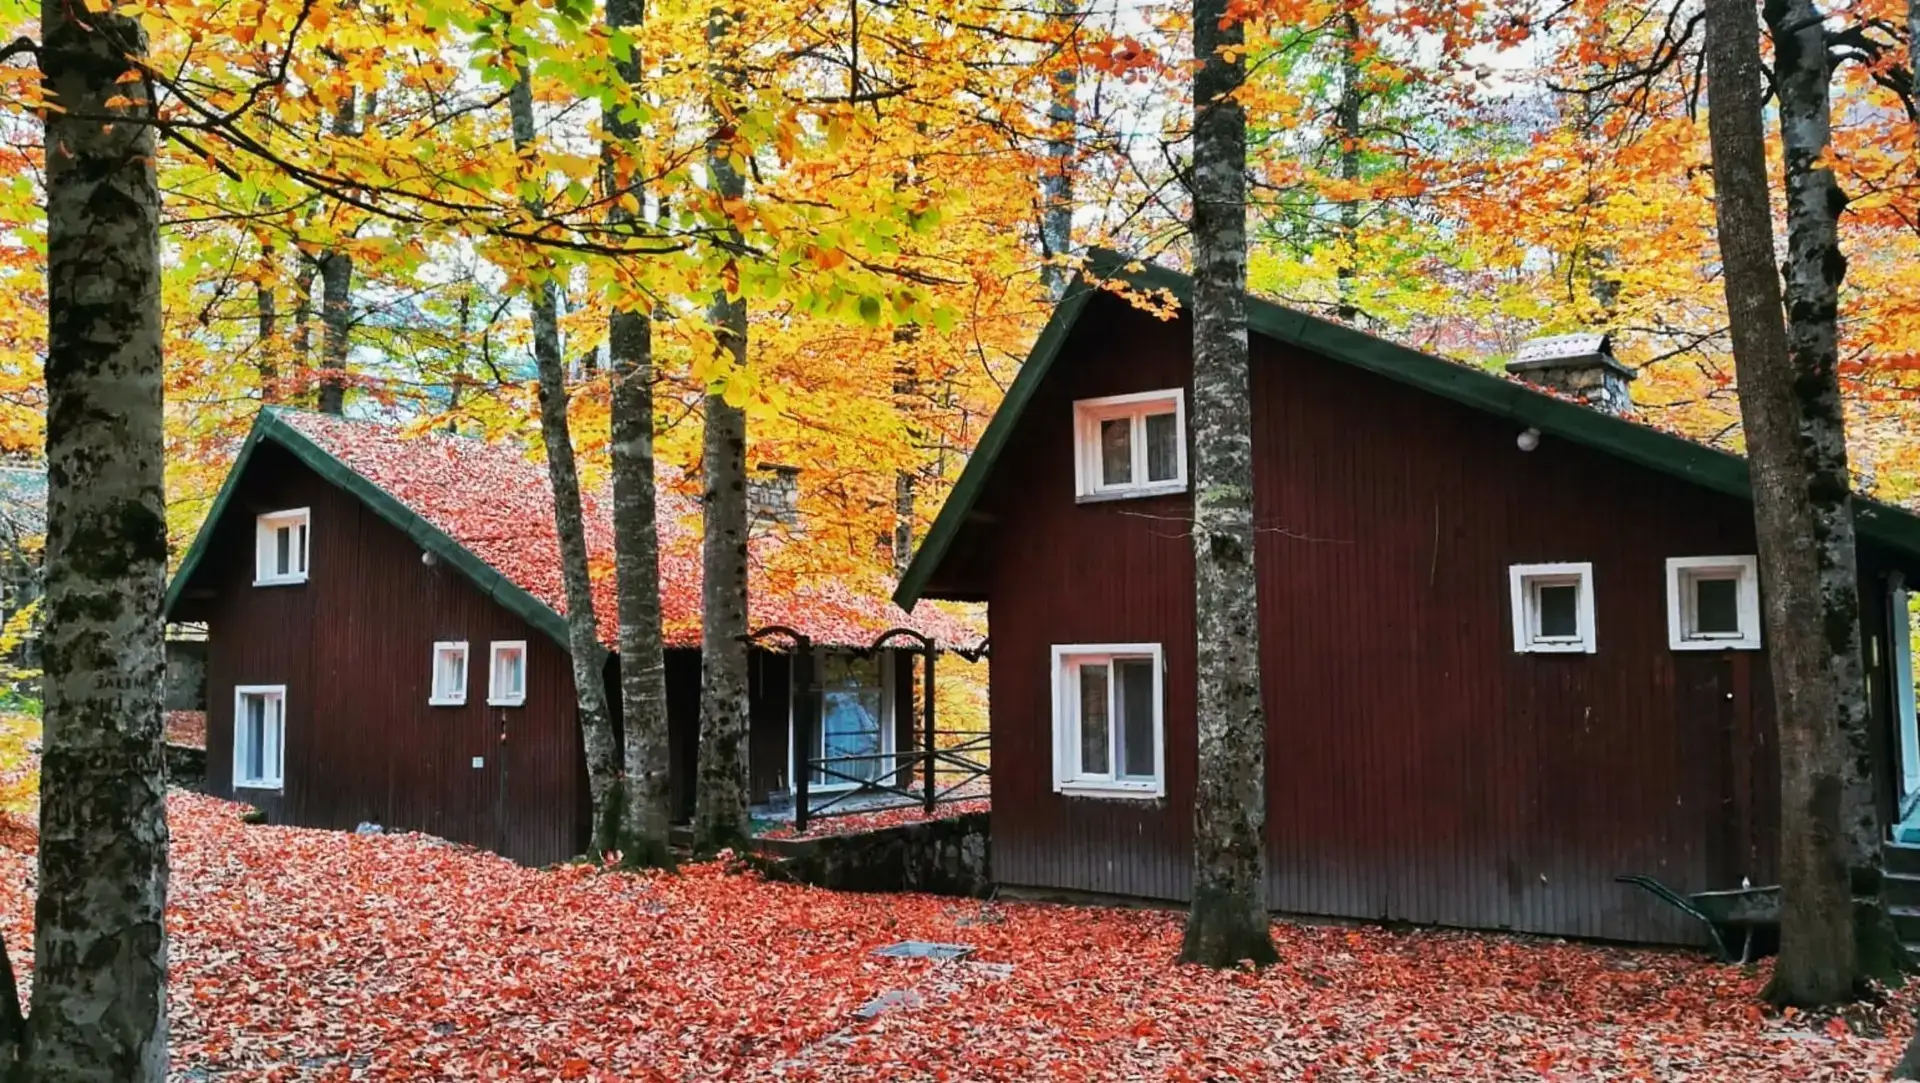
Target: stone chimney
<point x="1579" y="365"/>
<point x="773" y="495"/>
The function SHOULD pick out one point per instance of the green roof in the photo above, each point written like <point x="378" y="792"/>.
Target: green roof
<point x="1717" y="470"/>
<point x="271" y="427"/>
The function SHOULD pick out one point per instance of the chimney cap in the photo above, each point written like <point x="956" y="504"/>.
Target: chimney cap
<point x="1579" y="350"/>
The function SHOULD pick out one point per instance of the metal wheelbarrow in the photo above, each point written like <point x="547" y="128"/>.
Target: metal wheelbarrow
<point x="1739" y="911"/>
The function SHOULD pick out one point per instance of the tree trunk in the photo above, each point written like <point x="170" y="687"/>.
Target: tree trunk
<point x="1056" y="184"/>
<point x="583" y="634"/>
<point x="1347" y="130"/>
<point x="267" y="309"/>
<point x="336" y="301"/>
<point x="1228" y="920"/>
<point x="1816" y="936"/>
<point x="720" y="799"/>
<point x="303" y="311"/>
<point x="100" y="944"/>
<point x="1814" y="270"/>
<point x="636" y="536"/>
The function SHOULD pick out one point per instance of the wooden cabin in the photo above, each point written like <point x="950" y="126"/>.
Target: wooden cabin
<point x="386" y="644"/>
<point x="1510" y="643"/>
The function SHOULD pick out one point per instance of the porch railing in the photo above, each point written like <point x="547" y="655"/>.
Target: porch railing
<point x="924" y="774"/>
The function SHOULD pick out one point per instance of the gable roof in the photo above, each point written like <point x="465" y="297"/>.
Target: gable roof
<point x="487" y="511"/>
<point x="1714" y="469"/>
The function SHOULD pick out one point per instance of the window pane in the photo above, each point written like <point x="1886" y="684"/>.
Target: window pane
<point x="1558" y="608"/>
<point x="1116" y="451"/>
<point x="1136" y="718"/>
<point x="255" y="745"/>
<point x="1095" y="753"/>
<point x="1163" y="448"/>
<point x="282" y="559"/>
<point x="1716" y="609"/>
<point x="851" y="717"/>
<point x="302" y="553"/>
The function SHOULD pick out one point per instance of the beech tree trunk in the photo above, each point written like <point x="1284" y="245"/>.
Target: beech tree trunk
<point x="1347" y="130"/>
<point x="583" y="634"/>
<point x="267" y="312"/>
<point x="1056" y="184"/>
<point x="336" y="301"/>
<point x="636" y="535"/>
<point x="1228" y="921"/>
<point x="720" y="799"/>
<point x="1814" y="270"/>
<point x="1815" y="965"/>
<point x="100" y="944"/>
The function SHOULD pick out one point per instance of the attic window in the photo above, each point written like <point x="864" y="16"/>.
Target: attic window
<point x="1130" y="445"/>
<point x="280" y="547"/>
<point x="1713" y="603"/>
<point x="449" y="675"/>
<point x="1552" y="608"/>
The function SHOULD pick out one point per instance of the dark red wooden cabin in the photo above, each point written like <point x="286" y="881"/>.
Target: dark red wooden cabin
<point x="340" y="563"/>
<point x="1421" y="767"/>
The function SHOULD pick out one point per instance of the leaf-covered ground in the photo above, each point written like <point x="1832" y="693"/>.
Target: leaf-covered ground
<point x="315" y="955"/>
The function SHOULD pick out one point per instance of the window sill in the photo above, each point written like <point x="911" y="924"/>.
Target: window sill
<point x="1168" y="488"/>
<point x="435" y="702"/>
<point x="520" y="701"/>
<point x="1557" y="648"/>
<point x="275" y="787"/>
<point x="1111" y="791"/>
<point x="1743" y="643"/>
<point x="281" y="581"/>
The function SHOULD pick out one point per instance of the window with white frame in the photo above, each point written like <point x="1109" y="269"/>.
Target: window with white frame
<point x="259" y="736"/>
<point x="1108" y="720"/>
<point x="449" y="675"/>
<point x="1130" y="445"/>
<point x="507" y="674"/>
<point x="1713" y="603"/>
<point x="1552" y="608"/>
<point x="280" y="547"/>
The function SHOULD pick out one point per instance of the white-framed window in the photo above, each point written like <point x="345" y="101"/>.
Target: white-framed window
<point x="1130" y="445"/>
<point x="280" y="547"/>
<point x="1713" y="603"/>
<point x="1552" y="608"/>
<point x="856" y="736"/>
<point x="449" y="675"/>
<point x="507" y="673"/>
<point x="1109" y="709"/>
<point x="259" y="736"/>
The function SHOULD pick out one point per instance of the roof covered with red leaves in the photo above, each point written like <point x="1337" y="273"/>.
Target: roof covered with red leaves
<point x="496" y="503"/>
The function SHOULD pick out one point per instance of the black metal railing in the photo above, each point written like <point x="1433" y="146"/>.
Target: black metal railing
<point x="924" y="773"/>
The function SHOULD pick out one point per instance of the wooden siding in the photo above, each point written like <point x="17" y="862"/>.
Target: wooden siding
<point x="353" y="646"/>
<point x="1419" y="769"/>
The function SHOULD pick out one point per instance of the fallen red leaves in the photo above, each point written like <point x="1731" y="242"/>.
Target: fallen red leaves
<point x="323" y="956"/>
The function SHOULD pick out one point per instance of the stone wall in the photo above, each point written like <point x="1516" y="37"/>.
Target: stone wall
<point x="941" y="857"/>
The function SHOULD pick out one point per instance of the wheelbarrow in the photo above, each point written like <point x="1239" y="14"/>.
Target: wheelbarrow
<point x="1738" y="912"/>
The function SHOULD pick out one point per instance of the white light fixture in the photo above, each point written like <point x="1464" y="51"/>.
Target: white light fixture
<point x="427" y="558"/>
<point x="1528" y="440"/>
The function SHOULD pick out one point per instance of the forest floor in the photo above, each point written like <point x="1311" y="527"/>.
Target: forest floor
<point x="313" y="955"/>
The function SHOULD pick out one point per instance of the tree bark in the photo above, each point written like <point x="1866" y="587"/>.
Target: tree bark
<point x="1347" y="130"/>
<point x="267" y="311"/>
<point x="100" y="943"/>
<point x="1814" y="270"/>
<point x="1228" y="920"/>
<point x="583" y="633"/>
<point x="720" y="800"/>
<point x="1056" y="184"/>
<point x="636" y="537"/>
<point x="336" y="301"/>
<point x="1815" y="965"/>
